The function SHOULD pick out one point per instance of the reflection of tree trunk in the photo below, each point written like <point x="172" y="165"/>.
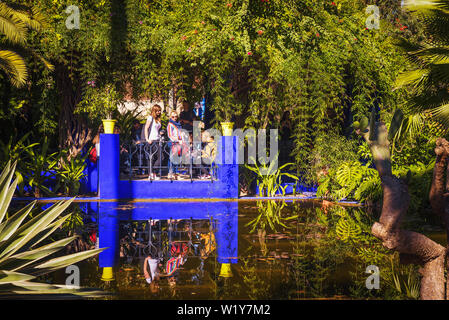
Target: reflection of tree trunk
<point x="261" y="233"/>
<point x="73" y="131"/>
<point x="413" y="247"/>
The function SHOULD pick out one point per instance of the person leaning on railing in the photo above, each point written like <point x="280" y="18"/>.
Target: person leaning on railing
<point x="209" y="152"/>
<point x="152" y="137"/>
<point x="177" y="143"/>
<point x="136" y="132"/>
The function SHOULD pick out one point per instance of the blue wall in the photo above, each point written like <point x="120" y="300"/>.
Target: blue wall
<point x="111" y="187"/>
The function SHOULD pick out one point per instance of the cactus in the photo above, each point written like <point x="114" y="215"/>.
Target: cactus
<point x="395" y="123"/>
<point x="372" y="125"/>
<point x="408" y="177"/>
<point x="376" y="137"/>
<point x="363" y="124"/>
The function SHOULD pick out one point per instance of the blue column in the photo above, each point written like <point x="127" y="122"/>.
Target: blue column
<point x="109" y="174"/>
<point x="108" y="233"/>
<point x="228" y="168"/>
<point x="227" y="234"/>
<point x="90" y="184"/>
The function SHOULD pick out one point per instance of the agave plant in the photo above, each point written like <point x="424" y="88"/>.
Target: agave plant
<point x="70" y="173"/>
<point x="271" y="183"/>
<point x="271" y="214"/>
<point x="23" y="254"/>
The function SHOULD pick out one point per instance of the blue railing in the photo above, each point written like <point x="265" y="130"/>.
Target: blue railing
<point x="167" y="160"/>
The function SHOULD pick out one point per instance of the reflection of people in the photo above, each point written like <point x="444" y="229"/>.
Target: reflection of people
<point x="172" y="285"/>
<point x="174" y="263"/>
<point x="150" y="269"/>
<point x="209" y="244"/>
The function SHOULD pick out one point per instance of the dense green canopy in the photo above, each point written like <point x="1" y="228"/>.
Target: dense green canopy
<point x="254" y="60"/>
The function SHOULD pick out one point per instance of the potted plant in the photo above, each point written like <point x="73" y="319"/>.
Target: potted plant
<point x="109" y="99"/>
<point x="101" y="103"/>
<point x="226" y="106"/>
<point x="227" y="128"/>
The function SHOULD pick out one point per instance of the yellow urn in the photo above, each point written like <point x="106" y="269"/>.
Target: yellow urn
<point x="109" y="125"/>
<point x="227" y="128"/>
<point x="225" y="270"/>
<point x="108" y="274"/>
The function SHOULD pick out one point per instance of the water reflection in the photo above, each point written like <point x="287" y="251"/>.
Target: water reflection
<point x="230" y="250"/>
<point x="163" y="238"/>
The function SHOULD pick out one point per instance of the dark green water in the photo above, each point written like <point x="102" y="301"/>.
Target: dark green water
<point x="301" y="258"/>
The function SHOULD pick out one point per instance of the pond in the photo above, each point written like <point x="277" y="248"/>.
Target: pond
<point x="234" y="250"/>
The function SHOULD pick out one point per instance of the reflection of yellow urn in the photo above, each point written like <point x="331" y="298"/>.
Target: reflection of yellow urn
<point x="109" y="125"/>
<point x="227" y="128"/>
<point x="108" y="274"/>
<point x="225" y="270"/>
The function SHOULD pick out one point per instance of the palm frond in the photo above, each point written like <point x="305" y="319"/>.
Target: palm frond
<point x="34" y="20"/>
<point x="411" y="78"/>
<point x="423" y="5"/>
<point x="11" y="26"/>
<point x="14" y="66"/>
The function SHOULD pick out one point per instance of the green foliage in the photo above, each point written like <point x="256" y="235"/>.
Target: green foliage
<point x="37" y="166"/>
<point x="427" y="79"/>
<point x="100" y="102"/>
<point x="14" y="151"/>
<point x="15" y="25"/>
<point x="351" y="180"/>
<point x="269" y="180"/>
<point x="253" y="59"/>
<point x="329" y="152"/>
<point x="270" y="215"/>
<point x="405" y="280"/>
<point x="21" y="259"/>
<point x="69" y="174"/>
<point x="395" y="124"/>
<point x="333" y="248"/>
<point x="419" y="180"/>
<point x="257" y="288"/>
<point x="347" y="229"/>
<point x="40" y="167"/>
<point x="125" y="123"/>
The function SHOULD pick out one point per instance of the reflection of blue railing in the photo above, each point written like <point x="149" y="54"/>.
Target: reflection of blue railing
<point x="166" y="238"/>
<point x="141" y="159"/>
<point x="223" y="214"/>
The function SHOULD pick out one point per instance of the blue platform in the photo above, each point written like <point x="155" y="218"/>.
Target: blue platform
<point x="111" y="187"/>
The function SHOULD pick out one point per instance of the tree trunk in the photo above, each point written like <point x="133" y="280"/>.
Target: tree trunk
<point x="413" y="247"/>
<point x="74" y="133"/>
